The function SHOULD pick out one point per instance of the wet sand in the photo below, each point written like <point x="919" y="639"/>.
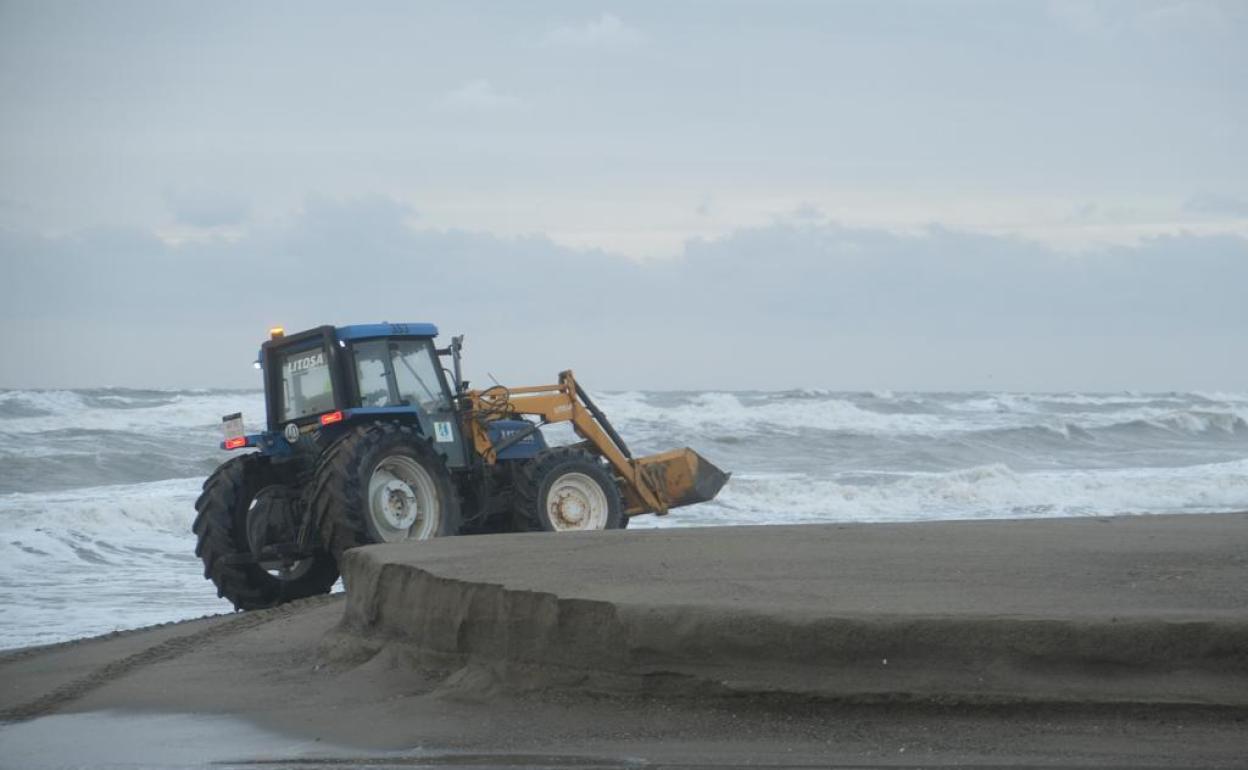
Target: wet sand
<point x="1059" y="642"/>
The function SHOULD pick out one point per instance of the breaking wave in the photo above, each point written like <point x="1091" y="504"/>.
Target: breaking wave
<point x="984" y="492"/>
<point x="925" y="415"/>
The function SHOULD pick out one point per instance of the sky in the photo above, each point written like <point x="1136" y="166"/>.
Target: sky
<point x="668" y="195"/>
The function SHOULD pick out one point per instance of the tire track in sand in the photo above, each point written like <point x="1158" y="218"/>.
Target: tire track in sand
<point x="157" y="653"/>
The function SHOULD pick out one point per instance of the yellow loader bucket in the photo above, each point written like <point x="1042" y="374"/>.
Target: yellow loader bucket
<point x="680" y="477"/>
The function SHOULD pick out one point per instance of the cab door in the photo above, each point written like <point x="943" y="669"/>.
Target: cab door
<point x="420" y="382"/>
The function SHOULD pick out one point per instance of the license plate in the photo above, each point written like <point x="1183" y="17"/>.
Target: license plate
<point x="232" y="424"/>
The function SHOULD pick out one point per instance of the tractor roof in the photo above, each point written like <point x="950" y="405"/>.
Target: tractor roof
<point x="363" y="331"/>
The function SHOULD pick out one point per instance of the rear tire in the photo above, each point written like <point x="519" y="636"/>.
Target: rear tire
<point x="221" y="530"/>
<point x="566" y="490"/>
<point x="383" y="483"/>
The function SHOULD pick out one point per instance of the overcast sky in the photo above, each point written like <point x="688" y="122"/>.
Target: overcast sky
<point x="1046" y="195"/>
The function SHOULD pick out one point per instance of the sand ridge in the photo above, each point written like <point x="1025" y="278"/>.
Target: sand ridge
<point x="1127" y="610"/>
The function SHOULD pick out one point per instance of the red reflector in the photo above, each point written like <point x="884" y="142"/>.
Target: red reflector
<point x="331" y="418"/>
<point x="235" y="443"/>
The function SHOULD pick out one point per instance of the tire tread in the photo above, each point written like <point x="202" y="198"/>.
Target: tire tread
<point x="220" y="535"/>
<point x="339" y="501"/>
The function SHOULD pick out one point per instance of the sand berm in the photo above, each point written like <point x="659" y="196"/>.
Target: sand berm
<point x="1146" y="611"/>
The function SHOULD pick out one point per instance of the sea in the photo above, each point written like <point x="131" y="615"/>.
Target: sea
<point x="97" y="486"/>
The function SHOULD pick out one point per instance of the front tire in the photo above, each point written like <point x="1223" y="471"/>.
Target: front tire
<point x="221" y="528"/>
<point x="383" y="483"/>
<point x="567" y="490"/>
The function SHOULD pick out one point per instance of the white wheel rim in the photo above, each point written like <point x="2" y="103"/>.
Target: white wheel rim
<point x="576" y="502"/>
<point x="403" y="500"/>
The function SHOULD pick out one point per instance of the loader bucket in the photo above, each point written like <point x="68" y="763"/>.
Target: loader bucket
<point x="682" y="477"/>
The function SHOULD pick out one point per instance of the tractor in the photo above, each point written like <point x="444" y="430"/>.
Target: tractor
<point x="369" y="438"/>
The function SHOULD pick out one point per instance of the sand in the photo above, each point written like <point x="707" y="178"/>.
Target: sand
<point x="1058" y="642"/>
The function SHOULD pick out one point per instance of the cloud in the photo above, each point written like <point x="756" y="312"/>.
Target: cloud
<point x="1081" y="16"/>
<point x="479" y="96"/>
<point x="207" y="208"/>
<point x="946" y="282"/>
<point x="606" y="33"/>
<point x="1153" y="17"/>
<point x="704" y="207"/>
<point x="806" y="212"/>
<point x="1087" y="211"/>
<point x="796" y="301"/>
<point x="1214" y="203"/>
<point x="1169" y="16"/>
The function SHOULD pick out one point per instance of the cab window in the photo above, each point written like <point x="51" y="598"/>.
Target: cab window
<point x="416" y="372"/>
<point x="370" y="369"/>
<point x="399" y="373"/>
<point x="307" y="387"/>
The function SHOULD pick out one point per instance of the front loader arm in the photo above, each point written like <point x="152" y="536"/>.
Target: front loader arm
<point x="565" y="403"/>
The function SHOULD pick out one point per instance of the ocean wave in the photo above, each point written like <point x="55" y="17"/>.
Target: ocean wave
<point x="881" y="413"/>
<point x="38" y="403"/>
<point x="109" y="511"/>
<point x="53" y="468"/>
<point x="1191" y="422"/>
<point x="30" y="412"/>
<point x="726" y="412"/>
<point x="1103" y="399"/>
<point x="990" y="491"/>
<point x="72" y="563"/>
<point x="1221" y="397"/>
<point x="720" y="413"/>
<point x="1188" y="421"/>
<point x="996" y="403"/>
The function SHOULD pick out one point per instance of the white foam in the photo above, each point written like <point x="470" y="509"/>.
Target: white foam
<point x="726" y="413"/>
<point x="95" y="560"/>
<point x="1222" y="396"/>
<point x="991" y="491"/>
<point x="70" y="411"/>
<point x="713" y="412"/>
<point x="1201" y="421"/>
<point x="995" y="403"/>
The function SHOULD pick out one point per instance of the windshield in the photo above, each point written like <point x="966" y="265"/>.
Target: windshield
<point x="306" y="384"/>
<point x="414" y="369"/>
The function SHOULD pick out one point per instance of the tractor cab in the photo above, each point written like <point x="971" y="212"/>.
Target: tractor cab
<point x="320" y="381"/>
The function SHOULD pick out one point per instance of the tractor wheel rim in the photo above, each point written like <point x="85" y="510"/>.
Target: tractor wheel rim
<point x="403" y="500"/>
<point x="281" y="569"/>
<point x="287" y="571"/>
<point x="576" y="502"/>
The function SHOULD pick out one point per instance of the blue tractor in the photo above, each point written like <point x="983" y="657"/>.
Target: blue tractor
<point x="370" y="438"/>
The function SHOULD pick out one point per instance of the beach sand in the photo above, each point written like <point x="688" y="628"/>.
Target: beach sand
<point x="1066" y="642"/>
